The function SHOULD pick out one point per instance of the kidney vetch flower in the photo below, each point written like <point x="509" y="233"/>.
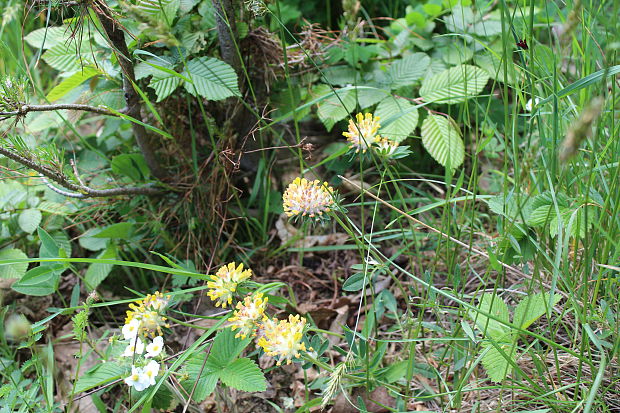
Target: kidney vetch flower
<point x="386" y="146"/>
<point x="363" y="133"/>
<point x="248" y="314"/>
<point x="307" y="198"/>
<point x="283" y="338"/>
<point x="146" y="316"/>
<point x="224" y="283"/>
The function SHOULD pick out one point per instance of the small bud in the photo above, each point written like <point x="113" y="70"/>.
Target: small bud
<point x="17" y="327"/>
<point x="92" y="298"/>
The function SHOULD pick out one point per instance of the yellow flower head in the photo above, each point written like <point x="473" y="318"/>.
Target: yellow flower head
<point x="248" y="315"/>
<point x="385" y="146"/>
<point x="307" y="198"/>
<point x="362" y="133"/>
<point x="147" y="314"/>
<point x="283" y="338"/>
<point x="225" y="283"/>
<point x="156" y="301"/>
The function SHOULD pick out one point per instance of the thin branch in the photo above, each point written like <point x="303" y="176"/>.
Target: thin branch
<point x="77" y="191"/>
<point x="24" y="109"/>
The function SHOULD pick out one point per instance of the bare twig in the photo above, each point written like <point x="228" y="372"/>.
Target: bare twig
<point x="116" y="37"/>
<point x="24" y="109"/>
<point x="78" y="191"/>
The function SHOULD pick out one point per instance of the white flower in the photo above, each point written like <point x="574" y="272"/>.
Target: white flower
<point x="131" y="329"/>
<point x="136" y="346"/>
<point x="138" y="379"/>
<point x="531" y="104"/>
<point x="155" y="348"/>
<point x="151" y="371"/>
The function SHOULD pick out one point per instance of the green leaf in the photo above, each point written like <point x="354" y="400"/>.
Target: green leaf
<point x="49" y="247"/>
<point x="355" y="282"/>
<point x="511" y="206"/>
<point x="243" y="374"/>
<point x="576" y="218"/>
<point x="40" y="281"/>
<point x="367" y="97"/>
<point x="496" y="365"/>
<point x="341" y="75"/>
<point x="99" y="375"/>
<point x="131" y="165"/>
<point x="92" y="243"/>
<point x="495" y="306"/>
<point x="207" y="379"/>
<point x="48" y="37"/>
<point x="396" y="371"/>
<point x="29" y="220"/>
<point x="456" y="53"/>
<point x="120" y="230"/>
<point x="406" y="71"/>
<point x="331" y="109"/>
<point x="442" y="140"/>
<point x="98" y="272"/>
<point x="164" y="85"/>
<point x="490" y="62"/>
<point x="158" y="10"/>
<point x="53" y="208"/>
<point x="532" y="307"/>
<point x="72" y="82"/>
<point x="13" y="270"/>
<point x="399" y="118"/>
<point x="164" y="79"/>
<point x="226" y="348"/>
<point x="66" y="57"/>
<point x="211" y="78"/>
<point x="64" y="245"/>
<point x="454" y="85"/>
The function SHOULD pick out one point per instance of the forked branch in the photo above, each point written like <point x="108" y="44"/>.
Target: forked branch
<point x="77" y="190"/>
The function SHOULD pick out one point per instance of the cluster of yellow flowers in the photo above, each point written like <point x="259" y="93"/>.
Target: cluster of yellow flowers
<point x="249" y="313"/>
<point x="146" y="315"/>
<point x="278" y="338"/>
<point x="145" y="318"/>
<point x="283" y="338"/>
<point x="224" y="283"/>
<point x="365" y="132"/>
<point x="312" y="199"/>
<point x="308" y="198"/>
